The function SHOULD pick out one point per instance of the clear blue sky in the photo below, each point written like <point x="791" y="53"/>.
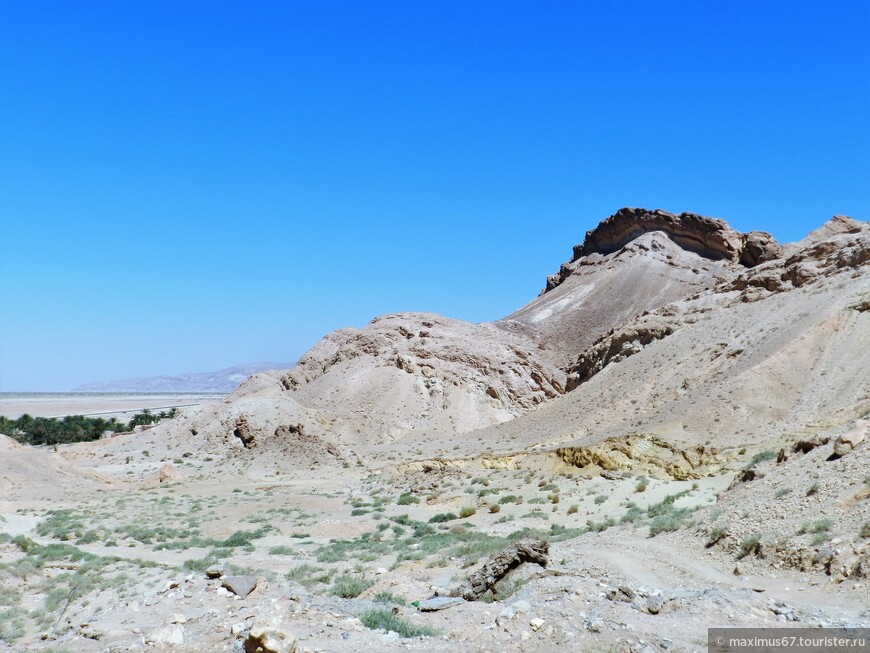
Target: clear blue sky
<point x="186" y="186"/>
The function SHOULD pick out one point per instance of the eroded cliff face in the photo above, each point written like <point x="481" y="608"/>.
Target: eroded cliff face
<point x="420" y="372"/>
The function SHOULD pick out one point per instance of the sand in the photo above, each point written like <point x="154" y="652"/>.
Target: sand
<point x="120" y="405"/>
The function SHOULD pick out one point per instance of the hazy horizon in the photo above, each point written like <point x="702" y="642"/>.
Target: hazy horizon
<point x="186" y="187"/>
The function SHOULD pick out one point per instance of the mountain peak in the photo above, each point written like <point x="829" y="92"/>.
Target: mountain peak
<point x="708" y="237"/>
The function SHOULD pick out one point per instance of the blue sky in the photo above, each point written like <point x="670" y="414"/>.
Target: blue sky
<point x="186" y="186"/>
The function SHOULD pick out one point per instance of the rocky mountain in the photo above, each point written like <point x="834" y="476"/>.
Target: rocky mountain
<point x="672" y="436"/>
<point x="225" y="380"/>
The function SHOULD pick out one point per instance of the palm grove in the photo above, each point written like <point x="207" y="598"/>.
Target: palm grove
<point x="73" y="428"/>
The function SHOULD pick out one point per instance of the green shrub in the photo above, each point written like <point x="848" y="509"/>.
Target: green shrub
<point x="573" y="509"/>
<point x="717" y="534"/>
<point x="781" y="492"/>
<point x="407" y="499"/>
<point x="864" y="530"/>
<point x="762" y="456"/>
<point x="600" y="499"/>
<point x="509" y="498"/>
<point x="282" y="550"/>
<point x="349" y="586"/>
<point x="467" y="511"/>
<point x="751" y="544"/>
<point x="389" y="597"/>
<point x="597" y="527"/>
<point x="376" y="618"/>
<point x="812" y="489"/>
<point x="665" y="523"/>
<point x="443" y="517"/>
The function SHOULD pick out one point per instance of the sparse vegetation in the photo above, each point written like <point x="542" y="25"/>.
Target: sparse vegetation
<point x="443" y="517"/>
<point x="349" y="586"/>
<point x="716" y="535"/>
<point x="749" y="545"/>
<point x="385" y="619"/>
<point x="389" y="597"/>
<point x="762" y="456"/>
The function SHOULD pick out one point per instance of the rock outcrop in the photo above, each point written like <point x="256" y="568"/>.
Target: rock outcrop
<point x="708" y="237"/>
<point x="841" y="244"/>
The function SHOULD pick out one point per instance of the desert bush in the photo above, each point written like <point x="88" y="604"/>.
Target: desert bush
<point x="282" y="550"/>
<point x="388" y="597"/>
<point x="509" y="498"/>
<point x="384" y="618"/>
<point x="665" y="523"/>
<point x="349" y="586"/>
<point x="864" y="531"/>
<point x="762" y="456"/>
<point x="751" y="544"/>
<point x="573" y="509"/>
<point x="407" y="498"/>
<point x="812" y="489"/>
<point x="717" y="534"/>
<point x="781" y="492"/>
<point x="467" y="511"/>
<point x="443" y="517"/>
<point x="494" y="507"/>
<point x="600" y="499"/>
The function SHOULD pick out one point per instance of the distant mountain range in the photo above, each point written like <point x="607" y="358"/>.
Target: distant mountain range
<point x="225" y="380"/>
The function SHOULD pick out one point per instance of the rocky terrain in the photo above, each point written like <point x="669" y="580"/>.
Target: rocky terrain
<point x="680" y="419"/>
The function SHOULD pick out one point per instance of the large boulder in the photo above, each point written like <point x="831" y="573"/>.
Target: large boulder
<point x="271" y="635"/>
<point x="848" y="441"/>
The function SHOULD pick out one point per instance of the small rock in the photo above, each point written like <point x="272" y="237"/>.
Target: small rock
<point x="270" y="636"/>
<point x="536" y="623"/>
<point x="848" y="441"/>
<point x="594" y="625"/>
<point x="654" y="603"/>
<point x="168" y="473"/>
<point x="240" y="585"/>
<point x="505" y="615"/>
<point x="438" y="603"/>
<point x="170" y="636"/>
<point x="215" y="571"/>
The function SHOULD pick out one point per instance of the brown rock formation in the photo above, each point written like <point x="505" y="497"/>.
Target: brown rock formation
<point x="707" y="237"/>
